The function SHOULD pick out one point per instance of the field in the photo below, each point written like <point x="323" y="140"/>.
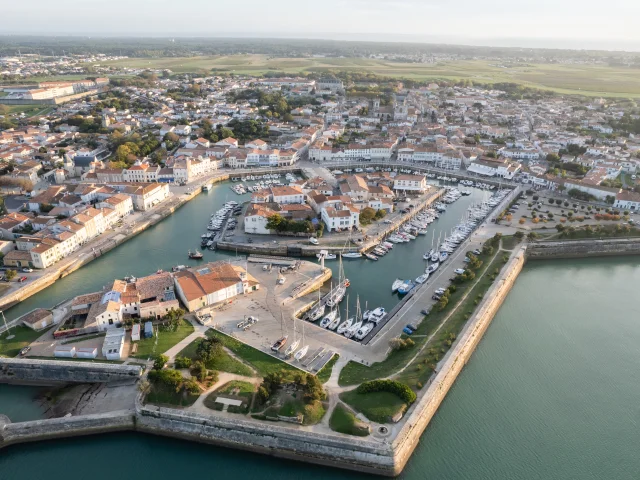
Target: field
<point x="343" y="421"/>
<point x="147" y="347"/>
<point x="223" y="362"/>
<point x="591" y="80"/>
<point x="28" y="110"/>
<point x="378" y="407"/>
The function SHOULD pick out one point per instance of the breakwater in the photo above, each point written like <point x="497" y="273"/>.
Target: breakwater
<point x="422" y="411"/>
<point x="596" y="247"/>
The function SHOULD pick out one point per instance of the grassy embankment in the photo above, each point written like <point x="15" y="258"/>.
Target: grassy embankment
<point x="236" y="388"/>
<point x="343" y="421"/>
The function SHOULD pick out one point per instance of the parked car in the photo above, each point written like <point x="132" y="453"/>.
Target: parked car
<point x="407" y="331"/>
<point x="22" y="279"/>
<point x="313" y="241"/>
<point x="425" y="311"/>
<point x="459" y="271"/>
<point x="436" y="297"/>
<point x="25" y="350"/>
<point x="477" y="252"/>
<point x="27" y="269"/>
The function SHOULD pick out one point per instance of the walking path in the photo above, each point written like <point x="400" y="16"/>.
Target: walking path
<point x="223" y="378"/>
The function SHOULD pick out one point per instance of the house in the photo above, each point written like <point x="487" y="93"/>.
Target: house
<point x="212" y="283"/>
<point x="256" y="218"/>
<point x="494" y="167"/>
<point x="12" y="222"/>
<point x="37" y="319"/>
<point x="183" y="130"/>
<point x="17" y="259"/>
<point x="627" y="201"/>
<point x="113" y="345"/>
<point x="340" y="217"/>
<point x="147" y="196"/>
<point x="286" y="194"/>
<point x="410" y="183"/>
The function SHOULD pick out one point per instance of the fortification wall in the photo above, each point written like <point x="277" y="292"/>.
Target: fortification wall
<point x="48" y="372"/>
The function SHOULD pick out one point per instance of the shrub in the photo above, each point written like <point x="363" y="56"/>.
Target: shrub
<point x="521" y="221"/>
<point x="159" y="361"/>
<point x="199" y="371"/>
<point x="392" y="386"/>
<point x="182" y="362"/>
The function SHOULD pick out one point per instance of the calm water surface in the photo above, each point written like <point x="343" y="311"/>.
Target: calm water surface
<point x="551" y="392"/>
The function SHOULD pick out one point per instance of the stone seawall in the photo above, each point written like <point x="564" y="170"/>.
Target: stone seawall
<point x="283" y="442"/>
<point x="422" y="412"/>
<point x="47" y="372"/>
<point x="583" y="248"/>
<point x="37" y="430"/>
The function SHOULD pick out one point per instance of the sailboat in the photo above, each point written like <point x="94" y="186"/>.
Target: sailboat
<point x="316" y="312"/>
<point x="294" y="345"/>
<point x="344" y="326"/>
<point x="351" y="331"/>
<point x="331" y="316"/>
<point x="337" y="294"/>
<point x="299" y="355"/>
<point x="282" y="341"/>
<point x="435" y="257"/>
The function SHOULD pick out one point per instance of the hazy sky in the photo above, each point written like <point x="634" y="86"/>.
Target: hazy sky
<point x="547" y="23"/>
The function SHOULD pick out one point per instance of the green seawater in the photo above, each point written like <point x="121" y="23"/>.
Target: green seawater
<point x="552" y="392"/>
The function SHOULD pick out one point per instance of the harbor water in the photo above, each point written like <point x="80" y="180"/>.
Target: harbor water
<point x="550" y="393"/>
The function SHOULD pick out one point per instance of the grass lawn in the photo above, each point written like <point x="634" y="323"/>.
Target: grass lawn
<point x="312" y="412"/>
<point x="421" y="368"/>
<point x="23" y="336"/>
<point x="161" y="395"/>
<point x="261" y="362"/>
<point x="166" y="339"/>
<point x="378" y="407"/>
<point x="325" y="373"/>
<point x="509" y="242"/>
<point x="355" y="373"/>
<point x="343" y="421"/>
<point x="236" y="388"/>
<point x="224" y="362"/>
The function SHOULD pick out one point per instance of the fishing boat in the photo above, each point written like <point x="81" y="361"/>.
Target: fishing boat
<point x="352" y="255"/>
<point x="206" y="187"/>
<point x="326" y="255"/>
<point x="371" y="256"/>
<point x="422" y="278"/>
<point x="196" y="255"/>
<point x="178" y="268"/>
<point x="396" y="285"/>
<point x="330" y="317"/>
<point x="281" y="342"/>
<point x="406" y="287"/>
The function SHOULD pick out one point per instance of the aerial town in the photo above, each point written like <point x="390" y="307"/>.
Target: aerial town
<point x="321" y="252"/>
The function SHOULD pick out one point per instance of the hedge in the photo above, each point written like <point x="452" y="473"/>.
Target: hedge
<point x="392" y="386"/>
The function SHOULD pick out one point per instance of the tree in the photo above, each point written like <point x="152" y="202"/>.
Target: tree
<point x="208" y="349"/>
<point x="275" y="221"/>
<point x="10" y="274"/>
<point x="367" y="214"/>
<point x="199" y="371"/>
<point x="159" y="362"/>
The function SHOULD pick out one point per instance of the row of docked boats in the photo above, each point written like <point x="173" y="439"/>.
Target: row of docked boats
<point x="356" y="327"/>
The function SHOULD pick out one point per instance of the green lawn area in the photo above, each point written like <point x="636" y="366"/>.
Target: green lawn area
<point x="355" y="373"/>
<point x="312" y="412"/>
<point x="325" y="373"/>
<point x="166" y="339"/>
<point x="261" y="362"/>
<point x="378" y="407"/>
<point x="421" y="368"/>
<point x="162" y="395"/>
<point x="223" y="363"/>
<point x="236" y="388"/>
<point x="23" y="336"/>
<point x="343" y="421"/>
<point x="509" y="242"/>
